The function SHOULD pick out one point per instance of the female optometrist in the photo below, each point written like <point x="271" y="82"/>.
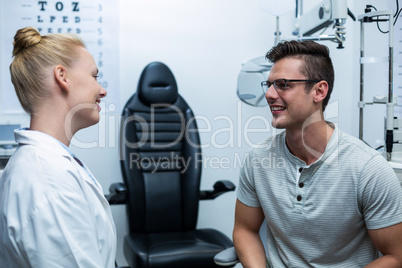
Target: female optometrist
<point x="53" y="212"/>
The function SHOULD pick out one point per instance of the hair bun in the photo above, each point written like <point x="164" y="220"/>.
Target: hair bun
<point x="25" y="38"/>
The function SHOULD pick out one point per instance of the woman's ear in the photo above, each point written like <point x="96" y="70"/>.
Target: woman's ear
<point x="60" y="75"/>
<point x="321" y="91"/>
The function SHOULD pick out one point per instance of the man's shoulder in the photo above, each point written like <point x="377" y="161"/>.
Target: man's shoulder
<point x="356" y="154"/>
<point x="356" y="146"/>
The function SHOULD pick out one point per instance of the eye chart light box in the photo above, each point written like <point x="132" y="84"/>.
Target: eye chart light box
<point x="96" y="21"/>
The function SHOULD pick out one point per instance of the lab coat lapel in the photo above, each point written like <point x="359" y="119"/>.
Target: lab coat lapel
<point x="97" y="189"/>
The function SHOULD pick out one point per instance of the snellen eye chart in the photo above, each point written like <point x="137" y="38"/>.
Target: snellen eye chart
<point x="96" y="21"/>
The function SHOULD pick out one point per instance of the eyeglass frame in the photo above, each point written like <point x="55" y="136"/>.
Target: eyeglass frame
<point x="269" y="84"/>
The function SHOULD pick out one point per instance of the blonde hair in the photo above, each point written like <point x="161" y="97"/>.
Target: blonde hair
<point x="33" y="54"/>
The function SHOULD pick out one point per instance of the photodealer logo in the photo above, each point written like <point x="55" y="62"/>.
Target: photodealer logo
<point x="154" y="163"/>
<point x="141" y="132"/>
<point x="267" y="162"/>
<point x="70" y="125"/>
<point x="147" y="132"/>
<point x="175" y="162"/>
<point x="331" y="137"/>
<point x="219" y="132"/>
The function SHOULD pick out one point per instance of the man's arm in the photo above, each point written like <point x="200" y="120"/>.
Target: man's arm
<point x="246" y="239"/>
<point x="388" y="241"/>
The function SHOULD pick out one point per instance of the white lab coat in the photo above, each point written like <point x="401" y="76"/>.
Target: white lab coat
<point x="51" y="212"/>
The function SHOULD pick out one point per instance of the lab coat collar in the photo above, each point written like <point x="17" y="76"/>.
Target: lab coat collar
<point x="33" y="137"/>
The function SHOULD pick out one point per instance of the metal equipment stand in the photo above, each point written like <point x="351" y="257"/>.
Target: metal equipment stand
<point x="367" y="18"/>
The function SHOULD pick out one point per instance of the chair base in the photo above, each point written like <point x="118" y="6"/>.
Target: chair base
<point x="195" y="249"/>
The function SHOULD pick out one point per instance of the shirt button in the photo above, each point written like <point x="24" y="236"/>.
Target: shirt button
<point x="299" y="198"/>
<point x="300" y="169"/>
<point x="301" y="185"/>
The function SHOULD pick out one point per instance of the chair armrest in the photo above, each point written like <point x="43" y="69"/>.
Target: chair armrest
<point x="117" y="194"/>
<point x="227" y="257"/>
<point x="220" y="187"/>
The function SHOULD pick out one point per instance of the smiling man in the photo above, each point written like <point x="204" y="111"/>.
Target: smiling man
<point x="336" y="202"/>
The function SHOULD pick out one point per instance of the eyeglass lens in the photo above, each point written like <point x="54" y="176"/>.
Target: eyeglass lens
<point x="279" y="84"/>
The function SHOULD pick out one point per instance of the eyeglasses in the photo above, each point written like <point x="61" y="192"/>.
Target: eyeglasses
<point x="281" y="85"/>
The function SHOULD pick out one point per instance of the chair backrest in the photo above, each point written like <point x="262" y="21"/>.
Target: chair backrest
<point x="160" y="155"/>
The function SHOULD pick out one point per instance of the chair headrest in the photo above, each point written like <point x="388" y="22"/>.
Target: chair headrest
<point x="157" y="85"/>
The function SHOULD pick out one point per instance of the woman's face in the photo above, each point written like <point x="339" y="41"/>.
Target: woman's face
<point x="85" y="92"/>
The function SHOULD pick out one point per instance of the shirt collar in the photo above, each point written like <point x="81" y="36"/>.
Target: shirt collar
<point x="329" y="149"/>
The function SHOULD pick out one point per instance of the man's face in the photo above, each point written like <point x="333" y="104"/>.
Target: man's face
<point x="290" y="108"/>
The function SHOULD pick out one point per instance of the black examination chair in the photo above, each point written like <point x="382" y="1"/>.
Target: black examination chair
<point x="161" y="168"/>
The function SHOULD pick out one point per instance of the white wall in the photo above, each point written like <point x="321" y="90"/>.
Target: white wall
<point x="204" y="43"/>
